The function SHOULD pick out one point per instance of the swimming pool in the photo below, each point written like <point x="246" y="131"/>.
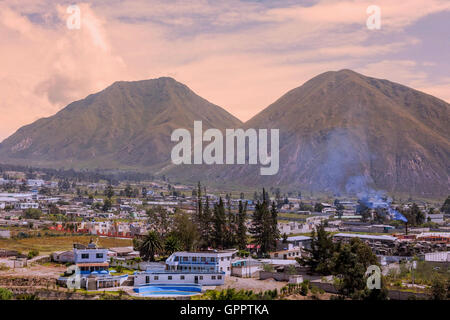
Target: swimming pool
<point x="167" y="290"/>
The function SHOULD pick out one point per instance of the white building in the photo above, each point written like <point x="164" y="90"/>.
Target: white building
<point x="35" y="182"/>
<point x="204" y="267"/>
<point x="246" y="268"/>
<point x="27" y="205"/>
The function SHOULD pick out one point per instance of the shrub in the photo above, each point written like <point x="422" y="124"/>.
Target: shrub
<point x="268" y="268"/>
<point x="26" y="296"/>
<point x="304" y="289"/>
<point x="32" y="253"/>
<point x="3" y="267"/>
<point x="5" y="294"/>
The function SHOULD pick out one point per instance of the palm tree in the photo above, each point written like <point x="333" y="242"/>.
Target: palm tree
<point x="150" y="245"/>
<point x="172" y="244"/>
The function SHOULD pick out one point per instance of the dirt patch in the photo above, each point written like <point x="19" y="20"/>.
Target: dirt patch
<point x="251" y="284"/>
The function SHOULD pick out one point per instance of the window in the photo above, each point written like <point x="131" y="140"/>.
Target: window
<point x="155" y="278"/>
<point x="99" y="255"/>
<point x="85" y="256"/>
<point x="181" y="277"/>
<point x="169" y="277"/>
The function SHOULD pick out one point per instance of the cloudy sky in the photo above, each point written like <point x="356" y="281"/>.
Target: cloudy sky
<point x="241" y="55"/>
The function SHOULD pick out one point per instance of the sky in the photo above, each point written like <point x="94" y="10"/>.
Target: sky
<point x="239" y="54"/>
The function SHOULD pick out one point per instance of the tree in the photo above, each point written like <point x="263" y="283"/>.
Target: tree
<point x="199" y="209"/>
<point x="107" y="205"/>
<point x="446" y="206"/>
<point x="150" y="246"/>
<point x="230" y="227"/>
<point x="350" y="263"/>
<point x="321" y="250"/>
<point x="274" y="232"/>
<point x="109" y="191"/>
<point x="144" y="192"/>
<point x="417" y="214"/>
<point x="219" y="221"/>
<point x="318" y="207"/>
<point x="264" y="225"/>
<point x="185" y="229"/>
<point x="242" y="228"/>
<point x="159" y="220"/>
<point x="128" y="191"/>
<point x="32" y="213"/>
<point x="363" y="210"/>
<point x="172" y="244"/>
<point x="438" y="289"/>
<point x="206" y="226"/>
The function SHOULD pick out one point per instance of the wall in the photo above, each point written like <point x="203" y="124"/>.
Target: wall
<point x="140" y="279"/>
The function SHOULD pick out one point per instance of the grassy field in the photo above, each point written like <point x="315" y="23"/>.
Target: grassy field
<point x="51" y="244"/>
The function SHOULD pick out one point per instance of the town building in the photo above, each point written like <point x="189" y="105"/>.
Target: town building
<point x="203" y="267"/>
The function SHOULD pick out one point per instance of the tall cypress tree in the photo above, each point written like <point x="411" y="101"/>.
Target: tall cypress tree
<point x="275" y="232"/>
<point x="205" y="226"/>
<point x="242" y="228"/>
<point x="219" y="223"/>
<point x="199" y="203"/>
<point x="264" y="225"/>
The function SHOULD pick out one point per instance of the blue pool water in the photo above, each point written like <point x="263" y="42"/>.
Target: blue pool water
<point x="168" y="290"/>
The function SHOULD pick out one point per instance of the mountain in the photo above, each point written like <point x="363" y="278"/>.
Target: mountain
<point x="345" y="132"/>
<point x="340" y="132"/>
<point x="127" y="125"/>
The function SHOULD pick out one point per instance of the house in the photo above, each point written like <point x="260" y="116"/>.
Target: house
<point x="203" y="267"/>
<point x="5" y="234"/>
<point x="63" y="256"/>
<point x="247" y="268"/>
<point x="26" y="205"/>
<point x="35" y="182"/>
<point x="435" y="218"/>
<point x="91" y="269"/>
<point x="384" y="239"/>
<point x="300" y="241"/>
<point x="90" y="258"/>
<point x="285" y="251"/>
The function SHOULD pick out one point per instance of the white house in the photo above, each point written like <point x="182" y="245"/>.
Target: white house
<point x="27" y="205"/>
<point x="246" y="268"/>
<point x="35" y="182"/>
<point x="204" y="267"/>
